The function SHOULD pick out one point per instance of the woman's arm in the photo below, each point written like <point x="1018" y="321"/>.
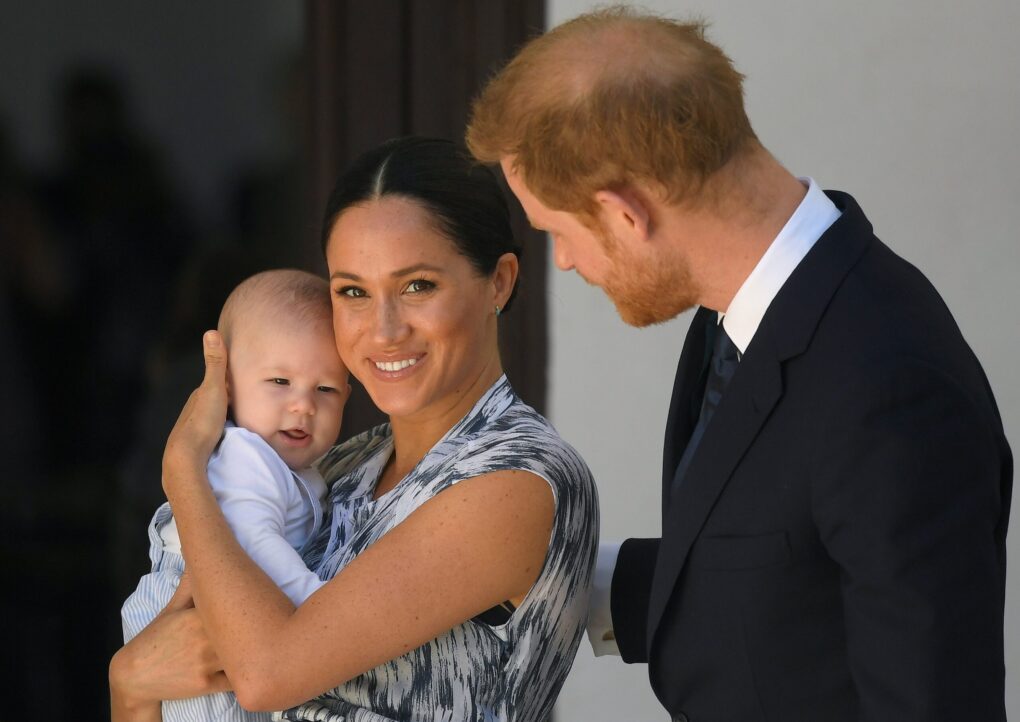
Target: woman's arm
<point x="170" y="659"/>
<point x="474" y="545"/>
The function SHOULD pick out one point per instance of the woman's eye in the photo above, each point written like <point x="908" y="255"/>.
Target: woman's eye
<point x="420" y="285"/>
<point x="351" y="292"/>
<point x="280" y="381"/>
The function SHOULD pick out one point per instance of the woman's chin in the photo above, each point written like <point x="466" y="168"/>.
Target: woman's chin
<point x="397" y="408"/>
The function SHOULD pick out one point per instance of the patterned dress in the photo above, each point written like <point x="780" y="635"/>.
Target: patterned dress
<point x="475" y="671"/>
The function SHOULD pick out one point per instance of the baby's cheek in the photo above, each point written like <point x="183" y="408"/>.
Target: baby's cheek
<point x="337" y="420"/>
<point x="256" y="417"/>
<point x="239" y="414"/>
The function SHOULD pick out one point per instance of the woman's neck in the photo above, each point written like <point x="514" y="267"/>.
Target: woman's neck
<point x="415" y="435"/>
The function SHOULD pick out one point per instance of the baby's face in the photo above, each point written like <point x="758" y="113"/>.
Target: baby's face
<point x="288" y="385"/>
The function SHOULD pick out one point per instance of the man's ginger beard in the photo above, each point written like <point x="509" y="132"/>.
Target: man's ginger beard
<point x="644" y="292"/>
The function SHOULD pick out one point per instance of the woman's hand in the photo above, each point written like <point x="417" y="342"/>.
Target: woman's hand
<point x="172" y="658"/>
<point x="200" y="424"/>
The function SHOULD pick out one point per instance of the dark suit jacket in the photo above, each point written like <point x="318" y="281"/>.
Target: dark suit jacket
<point x="836" y="550"/>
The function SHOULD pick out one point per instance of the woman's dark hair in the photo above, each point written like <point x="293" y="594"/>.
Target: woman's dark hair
<point x="464" y="198"/>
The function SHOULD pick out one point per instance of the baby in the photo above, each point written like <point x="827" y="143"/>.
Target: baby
<point x="287" y="388"/>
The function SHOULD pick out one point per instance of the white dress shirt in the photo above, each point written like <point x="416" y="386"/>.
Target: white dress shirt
<point x="812" y="218"/>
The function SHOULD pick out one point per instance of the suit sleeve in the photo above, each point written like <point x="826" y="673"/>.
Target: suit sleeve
<point x="255" y="491"/>
<point x="631" y="590"/>
<point x="910" y="495"/>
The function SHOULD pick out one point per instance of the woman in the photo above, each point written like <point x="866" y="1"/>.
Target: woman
<point x="460" y="537"/>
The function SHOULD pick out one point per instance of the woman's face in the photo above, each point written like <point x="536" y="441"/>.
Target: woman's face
<point x="414" y="320"/>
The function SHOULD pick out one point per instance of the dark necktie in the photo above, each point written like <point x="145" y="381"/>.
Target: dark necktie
<point x="721" y="368"/>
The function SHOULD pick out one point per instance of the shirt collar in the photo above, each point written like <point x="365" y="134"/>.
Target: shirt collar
<point x="812" y="218"/>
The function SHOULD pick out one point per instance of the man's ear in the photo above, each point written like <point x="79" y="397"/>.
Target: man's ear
<point x="626" y="212"/>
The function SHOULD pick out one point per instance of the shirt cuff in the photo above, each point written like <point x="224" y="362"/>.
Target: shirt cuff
<point x="600" y="615"/>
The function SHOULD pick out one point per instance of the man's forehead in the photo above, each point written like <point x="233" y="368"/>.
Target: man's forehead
<point x="516" y="182"/>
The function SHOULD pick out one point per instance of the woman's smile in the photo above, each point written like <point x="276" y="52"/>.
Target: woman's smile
<point x="392" y="368"/>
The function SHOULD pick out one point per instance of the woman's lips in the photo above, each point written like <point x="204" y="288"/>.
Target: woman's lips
<point x="396" y="369"/>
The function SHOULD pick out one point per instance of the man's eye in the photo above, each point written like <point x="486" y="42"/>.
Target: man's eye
<point x="280" y="381"/>
<point x="351" y="292"/>
<point x="420" y="285"/>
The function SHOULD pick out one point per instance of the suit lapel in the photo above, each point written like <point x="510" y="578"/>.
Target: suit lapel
<point x="752" y="393"/>
<point x="755" y="389"/>
<point x="680" y="422"/>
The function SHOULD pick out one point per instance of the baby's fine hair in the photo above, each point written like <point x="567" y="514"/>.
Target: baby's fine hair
<point x="283" y="294"/>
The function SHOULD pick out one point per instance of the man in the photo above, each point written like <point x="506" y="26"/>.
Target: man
<point x="836" y="482"/>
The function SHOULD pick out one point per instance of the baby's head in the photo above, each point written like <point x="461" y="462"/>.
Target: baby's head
<point x="285" y="380"/>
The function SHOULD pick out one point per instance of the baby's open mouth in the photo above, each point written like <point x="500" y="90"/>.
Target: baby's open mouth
<point x="296" y="434"/>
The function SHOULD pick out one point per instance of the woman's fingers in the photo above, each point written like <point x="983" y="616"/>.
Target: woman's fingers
<point x="219" y="683"/>
<point x="172" y="658"/>
<point x="215" y="381"/>
<point x="200" y="424"/>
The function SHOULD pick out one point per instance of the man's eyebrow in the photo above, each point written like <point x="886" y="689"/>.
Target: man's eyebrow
<point x="416" y="268"/>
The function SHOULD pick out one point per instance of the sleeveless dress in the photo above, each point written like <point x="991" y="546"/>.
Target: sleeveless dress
<point x="511" y="672"/>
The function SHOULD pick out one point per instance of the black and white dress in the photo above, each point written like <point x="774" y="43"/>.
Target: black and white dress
<point x="475" y="671"/>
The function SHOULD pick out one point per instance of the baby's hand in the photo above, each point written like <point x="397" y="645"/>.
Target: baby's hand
<point x="200" y="424"/>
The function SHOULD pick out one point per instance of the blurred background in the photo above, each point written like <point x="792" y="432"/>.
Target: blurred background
<point x="153" y="155"/>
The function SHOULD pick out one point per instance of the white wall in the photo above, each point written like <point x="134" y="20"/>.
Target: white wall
<point x="912" y="107"/>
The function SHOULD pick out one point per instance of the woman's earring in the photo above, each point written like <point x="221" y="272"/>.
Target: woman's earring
<point x="498" y="311"/>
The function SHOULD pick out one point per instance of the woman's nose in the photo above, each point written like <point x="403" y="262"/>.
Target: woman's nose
<point x="390" y="327"/>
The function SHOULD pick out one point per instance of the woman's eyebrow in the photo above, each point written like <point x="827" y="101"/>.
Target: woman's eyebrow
<point x="416" y="268"/>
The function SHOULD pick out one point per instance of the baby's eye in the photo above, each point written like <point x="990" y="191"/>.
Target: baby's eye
<point x="280" y="381"/>
<point x="351" y="292"/>
<point x="420" y="285"/>
<point x="326" y="389"/>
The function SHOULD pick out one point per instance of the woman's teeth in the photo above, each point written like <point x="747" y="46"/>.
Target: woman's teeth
<point x="395" y="365"/>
